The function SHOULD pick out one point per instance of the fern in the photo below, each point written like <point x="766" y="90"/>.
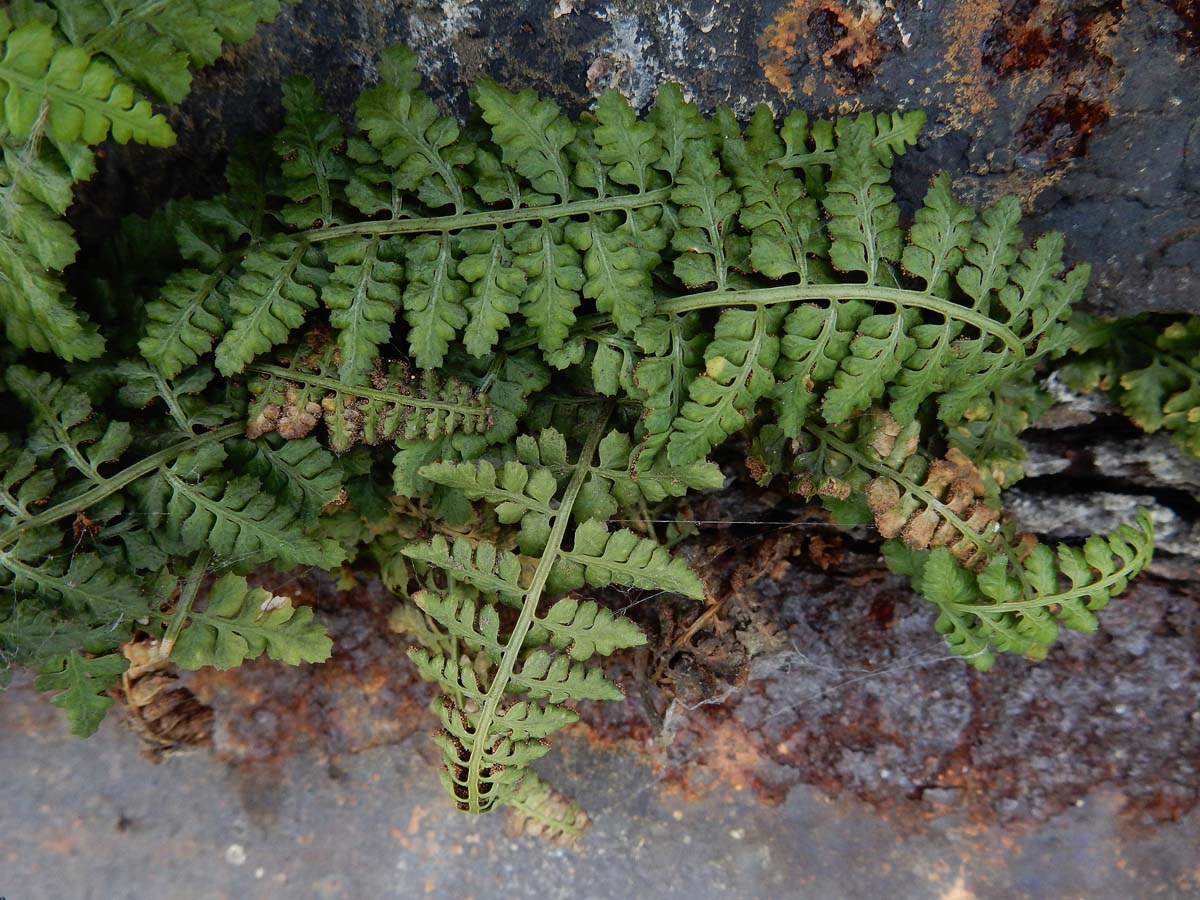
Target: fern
<point x="68" y="84"/>
<point x="239" y="624"/>
<point x="79" y="688"/>
<point x="486" y="751"/>
<point x="1151" y="368"/>
<point x="585" y="310"/>
<point x="155" y="44"/>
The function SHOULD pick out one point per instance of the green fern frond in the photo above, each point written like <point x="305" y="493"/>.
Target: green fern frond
<point x="280" y="284"/>
<point x="191" y="310"/>
<point x="79" y="684"/>
<point x="537" y="810"/>
<point x="155" y="43"/>
<point x="496" y="284"/>
<point x="35" y="244"/>
<point x="1018" y="606"/>
<point x="84" y="99"/>
<point x="363" y="296"/>
<point x="63" y="422"/>
<point x="1149" y="366"/>
<point x="864" y="220"/>
<point x="532" y="135"/>
<point x="240" y="623"/>
<point x="520" y="494"/>
<point x="414" y="140"/>
<point x="196" y="506"/>
<point x="312" y="148"/>
<point x="434" y="299"/>
<point x="737" y="372"/>
<point x="781" y="219"/>
<point x="706" y="241"/>
<point x="599" y="557"/>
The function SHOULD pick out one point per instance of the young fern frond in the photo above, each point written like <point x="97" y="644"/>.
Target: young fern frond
<point x="488" y="743"/>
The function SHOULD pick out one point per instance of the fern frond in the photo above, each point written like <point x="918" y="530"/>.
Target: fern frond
<point x="600" y="557"/>
<point x="35" y="244"/>
<point x="864" y="220"/>
<point x="532" y="135"/>
<point x="706" y="242"/>
<point x="80" y="684"/>
<point x="1150" y="368"/>
<point x="422" y="147"/>
<point x="240" y="623"/>
<point x="554" y="280"/>
<point x="782" y="220"/>
<point x="433" y="299"/>
<point x="482" y="565"/>
<point x="22" y="484"/>
<point x="235" y="518"/>
<point x="815" y="341"/>
<point x="1018" y="606"/>
<point x="80" y="584"/>
<point x="487" y="746"/>
<point x="537" y="810"/>
<point x="584" y="628"/>
<point x="301" y="473"/>
<point x="192" y="311"/>
<point x="363" y="297"/>
<point x="154" y="43"/>
<point x="312" y="148"/>
<point x="180" y="397"/>
<point x="737" y="372"/>
<point x="280" y="283"/>
<point x="63" y="422"/>
<point x="519" y="493"/>
<point x="85" y="99"/>
<point x="675" y="353"/>
<point x="497" y="283"/>
<point x="398" y="405"/>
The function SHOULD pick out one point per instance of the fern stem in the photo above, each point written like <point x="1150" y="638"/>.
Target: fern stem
<point x="435" y="224"/>
<point x="332" y="384"/>
<point x="183" y="607"/>
<point x="1139" y="560"/>
<point x="111" y="485"/>
<point x="512" y="650"/>
<point x="105" y="36"/>
<point x="800" y="293"/>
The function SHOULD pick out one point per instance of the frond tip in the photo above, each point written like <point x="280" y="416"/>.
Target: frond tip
<point x="1018" y="602"/>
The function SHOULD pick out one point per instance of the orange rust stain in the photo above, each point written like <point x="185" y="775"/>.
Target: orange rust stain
<point x="414" y="821"/>
<point x="965" y="25"/>
<point x="846" y="44"/>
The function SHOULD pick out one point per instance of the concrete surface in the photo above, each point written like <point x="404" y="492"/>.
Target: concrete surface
<point x="95" y="820"/>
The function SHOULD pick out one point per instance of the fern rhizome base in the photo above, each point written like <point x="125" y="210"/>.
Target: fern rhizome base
<point x="486" y="359"/>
